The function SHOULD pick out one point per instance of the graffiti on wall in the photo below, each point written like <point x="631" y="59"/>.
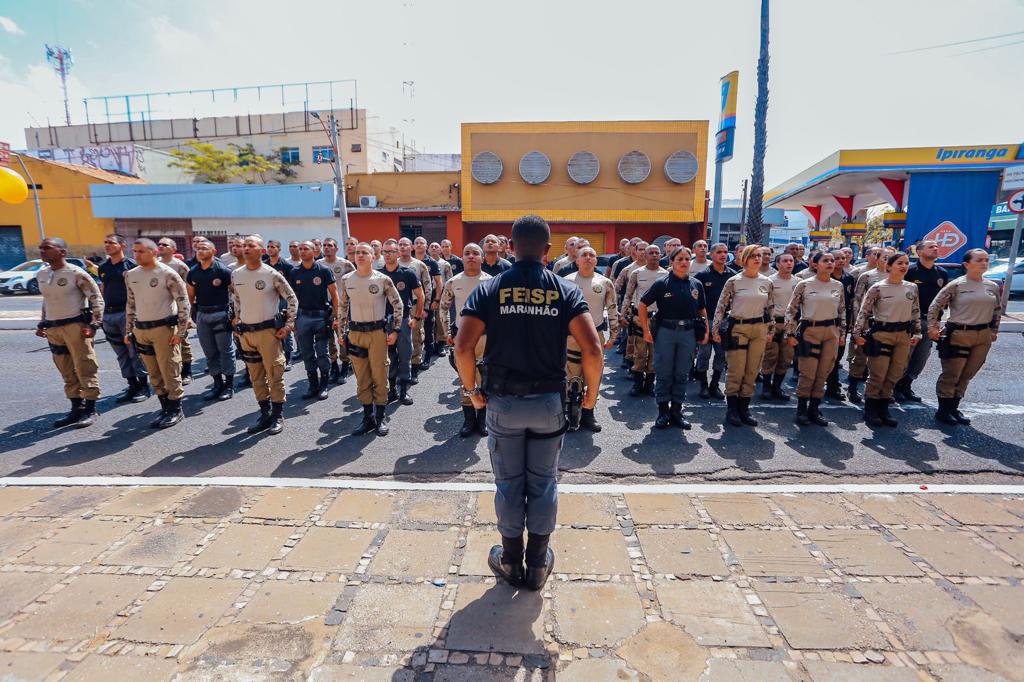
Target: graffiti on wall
<point x="118" y="158"/>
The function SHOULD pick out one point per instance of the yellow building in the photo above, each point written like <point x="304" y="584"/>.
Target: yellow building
<point x="66" y="210"/>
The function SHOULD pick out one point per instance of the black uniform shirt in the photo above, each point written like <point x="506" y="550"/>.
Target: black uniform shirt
<point x="677" y="298"/>
<point x="407" y="283"/>
<point x="282" y="266"/>
<point x="713" y="284"/>
<point x="310" y="285"/>
<point x="527" y="311"/>
<point x="800" y="266"/>
<point x="619" y="266"/>
<point x="849" y="283"/>
<point x="211" y="284"/>
<point x="456" y="263"/>
<point x="500" y="266"/>
<point x="929" y="282"/>
<point x="568" y="269"/>
<point x="112" y="276"/>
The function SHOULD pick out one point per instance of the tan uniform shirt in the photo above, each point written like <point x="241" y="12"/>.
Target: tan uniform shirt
<point x="446" y="270"/>
<point x="806" y="273"/>
<point x="179" y="266"/>
<point x="697" y="268"/>
<point x="67" y="292"/>
<point x="155" y="294"/>
<point x="339" y="266"/>
<point x="456" y="292"/>
<point x="782" y="291"/>
<point x="745" y="297"/>
<point x="599" y="293"/>
<point x="623" y="279"/>
<point x="257" y="295"/>
<point x="815" y="301"/>
<point x="423" y="272"/>
<point x="864" y="282"/>
<point x="365" y="299"/>
<point x="888" y="302"/>
<point x="640" y="280"/>
<point x="969" y="302"/>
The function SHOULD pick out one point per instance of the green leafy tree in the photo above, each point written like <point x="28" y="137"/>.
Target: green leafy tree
<point x="205" y="162"/>
<point x="756" y="231"/>
<point x="254" y="167"/>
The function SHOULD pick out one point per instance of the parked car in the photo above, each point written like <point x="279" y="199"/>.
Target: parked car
<point x="21" y="279"/>
<point x="997" y="274"/>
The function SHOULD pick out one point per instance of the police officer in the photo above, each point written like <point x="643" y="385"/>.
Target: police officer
<point x="456" y="293"/>
<point x="209" y="285"/>
<point x="274" y="260"/>
<point x="493" y="263"/>
<point x="316" y="291"/>
<point x="858" y="361"/>
<point x="640" y="280"/>
<point x="449" y="256"/>
<point x="256" y="292"/>
<point x="340" y="267"/>
<point x="599" y="293"/>
<point x="167" y="248"/>
<point x="420" y="360"/>
<point x="567" y="266"/>
<point x="778" y="355"/>
<point x="670" y="246"/>
<point x="633" y="255"/>
<point x="156" y="320"/>
<point x="816" y="327"/>
<point x="975" y="310"/>
<point x="400" y="354"/>
<point x="741" y="325"/>
<point x="115" y="297"/>
<point x="68" y="292"/>
<point x="681" y="325"/>
<point x="365" y="295"/>
<point x="929" y="278"/>
<point x="621" y="282"/>
<point x="833" y="388"/>
<point x="436" y="282"/>
<point x="527" y="313"/>
<point x="888" y="325"/>
<point x="713" y="279"/>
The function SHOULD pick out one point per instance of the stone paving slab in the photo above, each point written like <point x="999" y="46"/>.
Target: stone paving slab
<point x="18" y="589"/>
<point x="329" y="549"/>
<point x="360" y="506"/>
<point x="740" y="510"/>
<point x="496" y="618"/>
<point x="13" y="499"/>
<point x="1002" y="602"/>
<point x="78" y="543"/>
<point x="863" y="552"/>
<point x="830" y="671"/>
<point x="590" y="552"/>
<point x="713" y="613"/>
<point x="817" y="510"/>
<point x="283" y="602"/>
<point x="69" y="502"/>
<point x="82" y="609"/>
<point x="163" y="546"/>
<point x="28" y="667"/>
<point x="681" y="552"/>
<point x="478" y="544"/>
<point x="731" y="670"/>
<point x="952" y="553"/>
<point x="17" y="535"/>
<point x="244" y="546"/>
<point x="214" y="502"/>
<point x="286" y="503"/>
<point x="586" y="510"/>
<point x="818" y="617"/>
<point x="390" y="618"/>
<point x="1011" y="543"/>
<point x="977" y="510"/>
<point x="895" y="510"/>
<point x="917" y="612"/>
<point x="652" y="508"/>
<point x="485" y="509"/>
<point x="415" y="553"/>
<point x="182" y="611"/>
<point x="772" y="552"/>
<point x="113" y="668"/>
<point x="596" y="615"/>
<point x="146" y="501"/>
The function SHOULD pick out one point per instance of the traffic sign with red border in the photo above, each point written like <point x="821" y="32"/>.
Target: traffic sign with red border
<point x="1016" y="202"/>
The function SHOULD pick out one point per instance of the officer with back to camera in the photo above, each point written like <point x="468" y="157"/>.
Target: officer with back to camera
<point x="527" y="313"/>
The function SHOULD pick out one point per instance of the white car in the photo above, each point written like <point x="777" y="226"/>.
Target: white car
<point x="997" y="273"/>
<point x="21" y="279"/>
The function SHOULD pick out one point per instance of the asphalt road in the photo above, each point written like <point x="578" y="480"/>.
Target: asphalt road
<point x="424" y="443"/>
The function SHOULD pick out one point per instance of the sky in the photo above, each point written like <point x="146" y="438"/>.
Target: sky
<point x="843" y="75"/>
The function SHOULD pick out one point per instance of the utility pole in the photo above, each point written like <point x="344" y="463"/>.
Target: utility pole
<point x="743" y="210"/>
<point x="339" y="179"/>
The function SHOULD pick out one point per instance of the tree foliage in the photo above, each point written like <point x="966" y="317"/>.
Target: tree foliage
<point x="755" y="224"/>
<point x="205" y="162"/>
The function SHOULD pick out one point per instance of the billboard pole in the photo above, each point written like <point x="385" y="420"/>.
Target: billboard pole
<point x="723" y="145"/>
<point x="716" y="209"/>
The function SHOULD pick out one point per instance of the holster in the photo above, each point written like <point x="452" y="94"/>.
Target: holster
<point x="946" y="349"/>
<point x="806" y="349"/>
<point x="356" y="351"/>
<point x="574" y="400"/>
<point x="141" y="348"/>
<point x="729" y="342"/>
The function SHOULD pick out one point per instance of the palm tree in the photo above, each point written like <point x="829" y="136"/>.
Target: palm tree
<point x="755" y="227"/>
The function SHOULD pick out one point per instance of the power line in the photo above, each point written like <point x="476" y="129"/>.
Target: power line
<point x="985" y="49"/>
<point x="959" y="42"/>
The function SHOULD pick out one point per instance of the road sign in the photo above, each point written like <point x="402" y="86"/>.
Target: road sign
<point x="1013" y="178"/>
<point x="1016" y="202"/>
<point x="948" y="237"/>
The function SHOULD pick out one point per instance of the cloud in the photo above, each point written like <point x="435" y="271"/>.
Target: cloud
<point x="7" y="24"/>
<point x="34" y="96"/>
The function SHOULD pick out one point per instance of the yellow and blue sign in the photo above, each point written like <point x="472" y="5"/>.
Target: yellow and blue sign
<point x="725" y="137"/>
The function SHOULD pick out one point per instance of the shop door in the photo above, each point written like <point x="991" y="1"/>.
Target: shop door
<point x="12" y="248"/>
<point x="431" y="228"/>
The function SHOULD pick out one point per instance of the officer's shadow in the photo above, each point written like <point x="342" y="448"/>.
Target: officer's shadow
<point x="578" y="450"/>
<point x="663" y="450"/>
<point x="818" y="442"/>
<point x="450" y="454"/>
<point x="744" y="445"/>
<point x="335" y="446"/>
<point x="902" y="445"/>
<point x="203" y="458"/>
<point x="979" y="444"/>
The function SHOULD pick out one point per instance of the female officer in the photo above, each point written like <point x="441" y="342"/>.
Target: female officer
<point x="743" y="307"/>
<point x="816" y="327"/>
<point x="893" y="311"/>
<point x="682" y="324"/>
<point x="971" y="328"/>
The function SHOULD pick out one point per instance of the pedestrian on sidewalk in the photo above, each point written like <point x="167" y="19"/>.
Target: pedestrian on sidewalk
<point x="527" y="313"/>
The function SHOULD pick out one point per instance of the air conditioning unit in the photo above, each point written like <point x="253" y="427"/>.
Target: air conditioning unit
<point x="368" y="202"/>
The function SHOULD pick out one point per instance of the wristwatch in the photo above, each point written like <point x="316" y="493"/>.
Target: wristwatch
<point x="469" y="393"/>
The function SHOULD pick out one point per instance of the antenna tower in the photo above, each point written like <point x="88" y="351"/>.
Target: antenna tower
<point x="61" y="61"/>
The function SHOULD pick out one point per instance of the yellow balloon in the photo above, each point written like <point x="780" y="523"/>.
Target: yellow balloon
<point x="13" y="189"/>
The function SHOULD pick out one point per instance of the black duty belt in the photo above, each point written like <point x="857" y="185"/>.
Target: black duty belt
<point x="603" y="326"/>
<point x="153" y="324"/>
<point x="519" y="388"/>
<point x="818" y="323"/>
<point x="749" y="320"/>
<point x="46" y="324"/>
<point x="313" y="312"/>
<point x="892" y="326"/>
<point x="366" y="326"/>
<point x="676" y="324"/>
<point x="113" y="309"/>
<point x="213" y="308"/>
<point x="955" y="327"/>
<point x="780" y="319"/>
<point x="259" y="326"/>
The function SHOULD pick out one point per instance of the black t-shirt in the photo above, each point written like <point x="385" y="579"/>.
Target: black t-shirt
<point x="510" y="259"/>
<point x="211" y="284"/>
<point x="527" y="311"/>
<point x="282" y="266"/>
<point x="500" y="266"/>
<point x="713" y="284"/>
<point x="407" y="283"/>
<point x="568" y="269"/>
<point x="619" y="266"/>
<point x="849" y="283"/>
<point x="677" y="298"/>
<point x="432" y="266"/>
<point x="310" y="285"/>
<point x="800" y="266"/>
<point x="115" y="293"/>
<point x="456" y="263"/>
<point x="929" y="282"/>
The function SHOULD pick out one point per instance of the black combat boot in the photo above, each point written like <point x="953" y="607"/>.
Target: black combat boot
<point x="851" y="391"/>
<point x="403" y="394"/>
<point x="626" y="363"/>
<point x="382" y="420"/>
<point x="814" y="412"/>
<point x="898" y="393"/>
<point x="588" y="422"/>
<point x="959" y="416"/>
<point x="882" y="410"/>
<point x="801" y="412"/>
<point x="732" y="412"/>
<point x="335" y="376"/>
<point x="908" y="390"/>
<point x="713" y="389"/>
<point x="228" y="392"/>
<point x="215" y="390"/>
<point x="186" y="373"/>
<point x="777" y="393"/>
<point x="321" y="394"/>
<point x="414" y="376"/>
<point x="767" y="382"/>
<point x="704" y="394"/>
<point x="263" y="420"/>
<point x="392" y="392"/>
<point x="649" y="383"/>
<point x="540" y="561"/>
<point x="743" y="407"/>
<point x="246" y="381"/>
<point x="346" y="367"/>
<point x="871" y="416"/>
<point x="945" y="412"/>
<point x="155" y="424"/>
<point x="313" y="378"/>
<point x="468" y="421"/>
<point x="172" y="415"/>
<point x="662" y="421"/>
<point x="368" y="424"/>
<point x="506" y="561"/>
<point x="71" y="417"/>
<point x="675" y="416"/>
<point x="481" y="421"/>
<point x="89" y="415"/>
<point x="276" y="419"/>
<point x="138" y="390"/>
<point x="638" y="384"/>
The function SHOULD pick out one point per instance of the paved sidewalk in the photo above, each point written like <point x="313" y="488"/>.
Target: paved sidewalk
<point x="226" y="583"/>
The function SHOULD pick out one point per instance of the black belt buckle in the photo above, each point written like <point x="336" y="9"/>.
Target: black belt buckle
<point x="113" y="309"/>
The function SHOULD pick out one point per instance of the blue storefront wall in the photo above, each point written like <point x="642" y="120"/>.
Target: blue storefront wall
<point x="306" y="200"/>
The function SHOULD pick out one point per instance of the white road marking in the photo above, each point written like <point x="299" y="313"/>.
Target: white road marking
<point x="599" y="488"/>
